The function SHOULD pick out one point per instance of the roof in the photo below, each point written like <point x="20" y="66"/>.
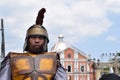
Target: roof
<point x="61" y="46"/>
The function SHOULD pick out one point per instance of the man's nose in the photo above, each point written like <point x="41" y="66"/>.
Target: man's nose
<point x="37" y="39"/>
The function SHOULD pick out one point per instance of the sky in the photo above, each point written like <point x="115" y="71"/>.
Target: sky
<point x="91" y="26"/>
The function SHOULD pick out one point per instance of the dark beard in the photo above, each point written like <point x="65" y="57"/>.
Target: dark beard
<point x="36" y="50"/>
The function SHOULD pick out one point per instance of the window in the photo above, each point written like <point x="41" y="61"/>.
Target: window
<point x="82" y="68"/>
<point x="69" y="68"/>
<point x="69" y="55"/>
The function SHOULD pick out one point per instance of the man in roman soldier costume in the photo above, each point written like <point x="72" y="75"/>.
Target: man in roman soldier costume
<point x="35" y="63"/>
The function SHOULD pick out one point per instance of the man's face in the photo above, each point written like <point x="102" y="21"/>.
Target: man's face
<point x="36" y="44"/>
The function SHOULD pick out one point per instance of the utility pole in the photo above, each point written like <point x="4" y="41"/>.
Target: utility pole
<point x="3" y="41"/>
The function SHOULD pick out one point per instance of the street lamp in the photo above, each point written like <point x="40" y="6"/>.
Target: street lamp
<point x="113" y="61"/>
<point x="107" y="56"/>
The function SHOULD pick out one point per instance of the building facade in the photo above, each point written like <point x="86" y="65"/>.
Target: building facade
<point x="74" y="61"/>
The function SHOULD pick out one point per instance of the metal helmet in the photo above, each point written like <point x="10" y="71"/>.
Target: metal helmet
<point x="37" y="29"/>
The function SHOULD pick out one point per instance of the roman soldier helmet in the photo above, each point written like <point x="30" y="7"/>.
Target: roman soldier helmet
<point x="37" y="29"/>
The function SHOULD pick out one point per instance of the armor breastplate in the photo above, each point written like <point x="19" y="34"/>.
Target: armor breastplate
<point x="37" y="67"/>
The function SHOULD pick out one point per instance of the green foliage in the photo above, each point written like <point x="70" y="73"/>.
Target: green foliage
<point x="118" y="54"/>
